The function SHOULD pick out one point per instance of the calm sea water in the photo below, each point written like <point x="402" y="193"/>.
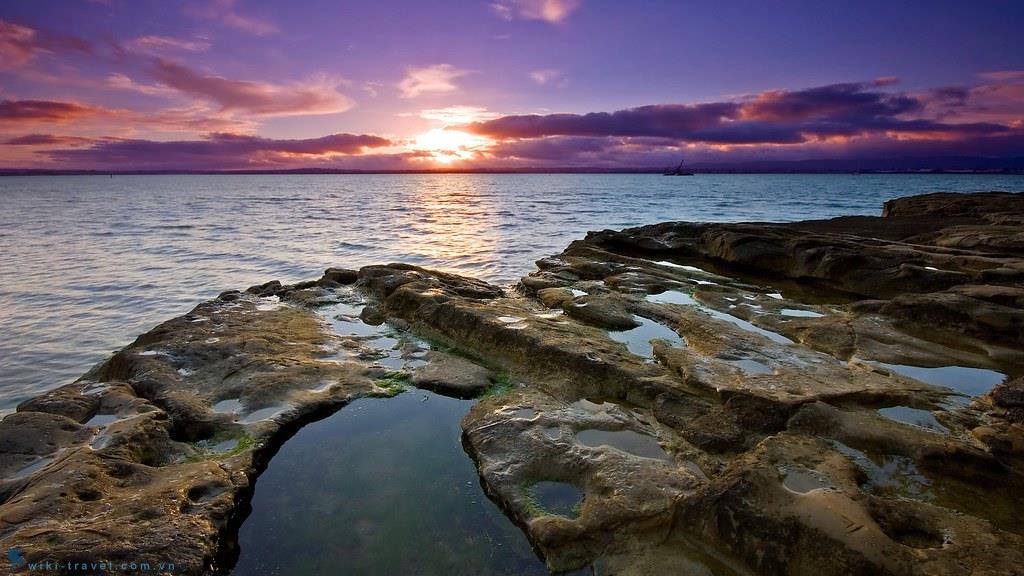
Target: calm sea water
<point x="89" y="262"/>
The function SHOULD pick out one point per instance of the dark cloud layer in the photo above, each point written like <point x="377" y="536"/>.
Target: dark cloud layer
<point x="48" y="140"/>
<point x="774" y="117"/>
<point x="42" y="111"/>
<point x="218" y="151"/>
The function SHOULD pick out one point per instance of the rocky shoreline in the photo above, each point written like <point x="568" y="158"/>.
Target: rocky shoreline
<point x="756" y="395"/>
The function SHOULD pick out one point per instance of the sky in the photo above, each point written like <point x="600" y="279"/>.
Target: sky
<point x="493" y="84"/>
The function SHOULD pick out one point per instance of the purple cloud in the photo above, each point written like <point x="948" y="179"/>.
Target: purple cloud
<point x="224" y="11"/>
<point x="218" y="151"/>
<point x="43" y="111"/>
<point x="258" y="98"/>
<point x="49" y="140"/>
<point x="774" y="117"/>
<point x="20" y="44"/>
<point x="666" y="120"/>
<point x="836" y="101"/>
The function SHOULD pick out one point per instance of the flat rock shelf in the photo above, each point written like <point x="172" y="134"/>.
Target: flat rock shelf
<point x="822" y="398"/>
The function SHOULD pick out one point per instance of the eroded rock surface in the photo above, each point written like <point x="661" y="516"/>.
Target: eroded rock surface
<point x="146" y="457"/>
<point x="833" y="397"/>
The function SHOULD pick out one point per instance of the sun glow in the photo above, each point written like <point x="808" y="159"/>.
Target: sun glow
<point x="446" y="146"/>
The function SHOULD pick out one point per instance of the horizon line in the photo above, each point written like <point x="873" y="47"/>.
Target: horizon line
<point x="537" y="171"/>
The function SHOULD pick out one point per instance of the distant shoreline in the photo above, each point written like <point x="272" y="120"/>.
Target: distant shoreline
<point x="304" y="171"/>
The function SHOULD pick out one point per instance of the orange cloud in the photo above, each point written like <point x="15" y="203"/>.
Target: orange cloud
<point x="256" y="98"/>
<point x="552" y="11"/>
<point x="18" y="111"/>
<point x="16" y="45"/>
<point x="33" y="114"/>
<point x="20" y="44"/>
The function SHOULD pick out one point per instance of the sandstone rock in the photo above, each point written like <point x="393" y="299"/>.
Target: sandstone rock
<point x="452" y="376"/>
<point x="554" y="297"/>
<point x="600" y="311"/>
<point x="118" y="465"/>
<point x="1009" y="394"/>
<point x="768" y="437"/>
<point x="342" y="276"/>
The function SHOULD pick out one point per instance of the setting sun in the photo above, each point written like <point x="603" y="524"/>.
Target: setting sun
<point x="446" y="146"/>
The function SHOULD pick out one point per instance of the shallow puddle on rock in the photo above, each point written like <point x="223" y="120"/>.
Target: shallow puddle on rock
<point x="268" y="303"/>
<point x="344" y="320"/>
<point x="223" y="446"/>
<point x="625" y="440"/>
<point x="101" y="420"/>
<point x="672" y="297"/>
<point x="228" y="406"/>
<point x="392" y="360"/>
<point x="889" y="474"/>
<point x="262" y="414"/>
<point x="682" y="267"/>
<point x="383" y="486"/>
<point x="797" y="313"/>
<point x="556" y="498"/>
<point x="969" y="381"/>
<point x="803" y="481"/>
<point x="752" y="367"/>
<point x="383" y="342"/>
<point x="31" y="468"/>
<point x="231" y="405"/>
<point x="914" y="417"/>
<point x="745" y="325"/>
<point x="525" y="413"/>
<point x="638" y="340"/>
<point x="607" y="405"/>
<point x="986" y="493"/>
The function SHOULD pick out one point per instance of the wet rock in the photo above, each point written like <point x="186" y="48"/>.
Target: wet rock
<point x="554" y="297"/>
<point x="600" y="311"/>
<point x="371" y="315"/>
<point x="110" y="467"/>
<point x="534" y="284"/>
<point x="1009" y="395"/>
<point x="625" y="496"/>
<point x="311" y="296"/>
<point x="73" y="401"/>
<point x="342" y="276"/>
<point x="983" y="206"/>
<point x="761" y="440"/>
<point x="452" y="376"/>
<point x="268" y="289"/>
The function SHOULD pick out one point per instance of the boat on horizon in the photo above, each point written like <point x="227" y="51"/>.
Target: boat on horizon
<point x="678" y="171"/>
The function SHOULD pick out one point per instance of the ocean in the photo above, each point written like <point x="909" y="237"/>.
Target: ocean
<point x="90" y="262"/>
